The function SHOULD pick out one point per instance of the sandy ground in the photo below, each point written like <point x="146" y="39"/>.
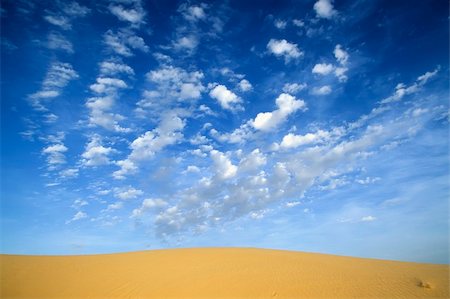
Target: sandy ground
<point x="218" y="273"/>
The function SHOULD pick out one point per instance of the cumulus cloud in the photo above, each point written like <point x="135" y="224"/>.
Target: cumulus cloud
<point x="227" y="99"/>
<point x="127" y="193"/>
<point x="401" y="90"/>
<point x="113" y="68"/>
<point x="78" y="216"/>
<point x="193" y="13"/>
<point x="239" y="135"/>
<point x="322" y="69"/>
<point x="59" y="20"/>
<point x="189" y="43"/>
<point x="95" y="153"/>
<point x="292" y="141"/>
<point x="368" y="218"/>
<point x="287" y="104"/>
<point x="280" y="24"/>
<point x="324" y="9"/>
<point x="173" y="84"/>
<point x="134" y="16"/>
<point x="57" y="77"/>
<point x="68" y="12"/>
<point x="124" y="41"/>
<point x="293" y="88"/>
<point x="244" y="85"/>
<point x="68" y="173"/>
<point x="340" y="54"/>
<point x="248" y="182"/>
<point x="323" y="90"/>
<point x="252" y="161"/>
<point x="57" y="41"/>
<point x="100" y="113"/>
<point x="298" y="23"/>
<point x="223" y="167"/>
<point x="342" y="57"/>
<point x="283" y="48"/>
<point x="55" y="155"/>
<point x="107" y="85"/>
<point x="148" y="144"/>
<point x="74" y="9"/>
<point x="149" y="204"/>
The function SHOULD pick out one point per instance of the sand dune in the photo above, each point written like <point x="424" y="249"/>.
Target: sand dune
<point x="218" y="273"/>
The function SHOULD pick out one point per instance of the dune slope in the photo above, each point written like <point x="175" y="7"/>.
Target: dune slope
<point x="218" y="273"/>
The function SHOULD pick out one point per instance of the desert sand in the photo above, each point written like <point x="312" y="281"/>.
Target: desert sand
<point x="218" y="273"/>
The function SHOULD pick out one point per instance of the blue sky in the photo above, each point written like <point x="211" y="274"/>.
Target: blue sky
<point x="304" y="125"/>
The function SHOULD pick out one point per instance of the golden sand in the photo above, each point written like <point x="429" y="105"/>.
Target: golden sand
<point x="218" y="273"/>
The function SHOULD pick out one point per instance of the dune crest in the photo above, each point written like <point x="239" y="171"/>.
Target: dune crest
<point x="218" y="273"/>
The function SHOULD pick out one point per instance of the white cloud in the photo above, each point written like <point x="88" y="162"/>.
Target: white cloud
<point x="124" y="41"/>
<point x="114" y="206"/>
<point x="59" y="20"/>
<point x="135" y="15"/>
<point x="57" y="77"/>
<point x="128" y="193"/>
<point x="293" y="88"/>
<point x="113" y="68"/>
<point x="419" y="111"/>
<point x="323" y="90"/>
<point x="74" y="9"/>
<point x="193" y="13"/>
<point x="282" y="48"/>
<point x="244" y="85"/>
<point x="401" y="90"/>
<point x="173" y="85"/>
<point x="213" y="200"/>
<point x="368" y="218"/>
<point x="100" y="113"/>
<point x="55" y="155"/>
<point x="189" y="42"/>
<point x="342" y="57"/>
<point x="148" y="144"/>
<point x="367" y="180"/>
<point x="258" y="214"/>
<point x="253" y="161"/>
<point x="107" y="85"/>
<point x="78" y="203"/>
<point x="226" y="98"/>
<point x="280" y="24"/>
<point x="223" y="167"/>
<point x="340" y="73"/>
<point x="291" y="204"/>
<point x="96" y="154"/>
<point x="340" y="54"/>
<point x="43" y="94"/>
<point x="190" y="91"/>
<point x="69" y="173"/>
<point x="192" y="169"/>
<point x="324" y="9"/>
<point x="57" y="41"/>
<point x="298" y="23"/>
<point x="239" y="135"/>
<point x="322" y="69"/>
<point x="425" y="77"/>
<point x="292" y="141"/>
<point x="287" y="104"/>
<point x="225" y="71"/>
<point x="50" y="118"/>
<point x="149" y="204"/>
<point x="78" y="216"/>
<point x="126" y="167"/>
